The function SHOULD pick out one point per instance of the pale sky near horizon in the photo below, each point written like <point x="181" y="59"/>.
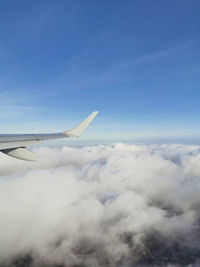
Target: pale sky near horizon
<point x="137" y="62"/>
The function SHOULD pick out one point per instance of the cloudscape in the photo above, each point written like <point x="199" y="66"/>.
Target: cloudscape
<point x="105" y="205"/>
<point x="126" y="194"/>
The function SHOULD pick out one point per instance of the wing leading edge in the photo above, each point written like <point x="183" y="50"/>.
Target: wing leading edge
<point x="14" y="145"/>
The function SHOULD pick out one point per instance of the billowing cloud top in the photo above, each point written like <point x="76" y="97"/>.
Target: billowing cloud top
<point x="113" y="205"/>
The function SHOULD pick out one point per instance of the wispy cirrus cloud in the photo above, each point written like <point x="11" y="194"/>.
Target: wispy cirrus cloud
<point x="18" y="108"/>
<point x="14" y="111"/>
<point x="157" y="55"/>
<point x="115" y="74"/>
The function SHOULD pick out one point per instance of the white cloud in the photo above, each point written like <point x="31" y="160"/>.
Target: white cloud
<point x="113" y="205"/>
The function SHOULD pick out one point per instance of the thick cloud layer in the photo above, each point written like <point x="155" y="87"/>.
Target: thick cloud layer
<point x="113" y="205"/>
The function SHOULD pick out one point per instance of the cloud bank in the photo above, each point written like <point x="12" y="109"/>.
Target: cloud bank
<point x="106" y="205"/>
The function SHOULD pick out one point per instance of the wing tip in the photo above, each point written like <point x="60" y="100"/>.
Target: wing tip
<point x="77" y="131"/>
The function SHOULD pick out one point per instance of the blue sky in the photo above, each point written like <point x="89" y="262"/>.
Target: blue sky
<point x="137" y="62"/>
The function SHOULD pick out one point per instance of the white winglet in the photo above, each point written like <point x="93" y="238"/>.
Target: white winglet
<point x="77" y="131"/>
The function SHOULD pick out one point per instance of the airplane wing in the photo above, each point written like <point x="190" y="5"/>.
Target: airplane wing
<point x="14" y="145"/>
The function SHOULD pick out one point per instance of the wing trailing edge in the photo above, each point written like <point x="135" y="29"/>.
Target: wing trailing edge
<point x="20" y="153"/>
